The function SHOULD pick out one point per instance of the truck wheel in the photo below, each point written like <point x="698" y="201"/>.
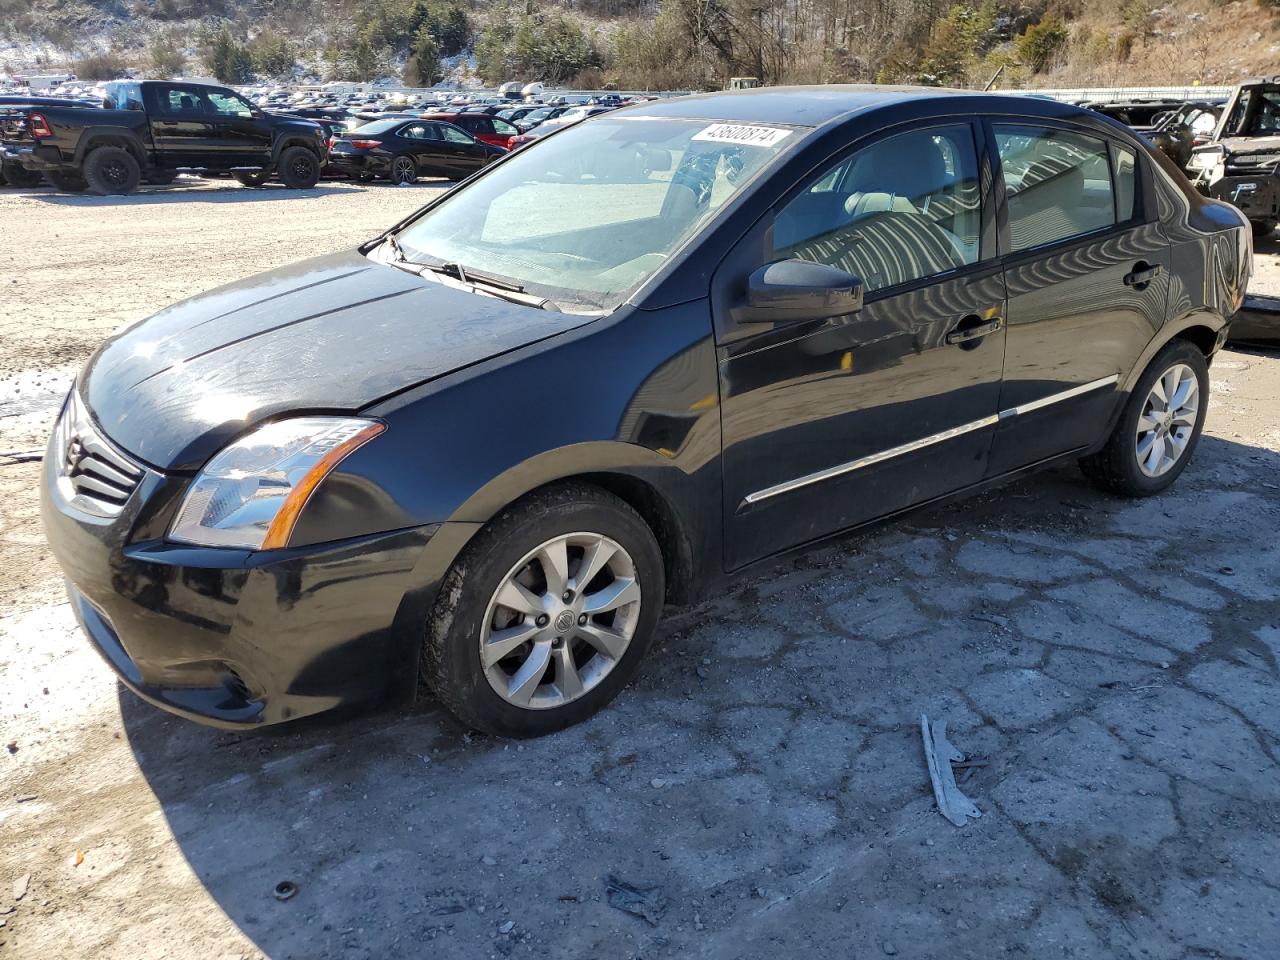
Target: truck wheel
<point x="20" y="176"/>
<point x="299" y="168"/>
<point x="252" y="178"/>
<point x="1262" y="228"/>
<point x="68" y="181"/>
<point x="111" y="171"/>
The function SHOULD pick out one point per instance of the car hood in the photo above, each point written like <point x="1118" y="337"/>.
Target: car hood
<point x="334" y="334"/>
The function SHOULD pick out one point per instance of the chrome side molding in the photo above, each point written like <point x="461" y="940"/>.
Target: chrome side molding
<point x="874" y="458"/>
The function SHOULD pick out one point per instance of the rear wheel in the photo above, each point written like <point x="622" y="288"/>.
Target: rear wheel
<point x="68" y="181"/>
<point x="403" y="170"/>
<point x="547" y="613"/>
<point x="111" y="171"/>
<point x="1262" y="228"/>
<point x="251" y="178"/>
<point x="1159" y="428"/>
<point x="19" y="176"/>
<point x="299" y="168"/>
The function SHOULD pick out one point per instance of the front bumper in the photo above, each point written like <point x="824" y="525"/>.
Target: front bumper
<point x="1257" y="196"/>
<point x="235" y="638"/>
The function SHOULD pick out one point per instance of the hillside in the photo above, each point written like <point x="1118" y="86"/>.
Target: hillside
<point x="651" y="43"/>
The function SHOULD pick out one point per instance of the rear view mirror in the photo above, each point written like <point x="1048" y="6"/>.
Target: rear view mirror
<point x="791" y="290"/>
<point x="657" y="160"/>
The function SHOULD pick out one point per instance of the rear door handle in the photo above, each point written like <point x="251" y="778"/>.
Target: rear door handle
<point x="1143" y="273"/>
<point x="965" y="334"/>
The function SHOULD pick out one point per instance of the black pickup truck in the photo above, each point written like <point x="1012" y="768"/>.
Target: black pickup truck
<point x="152" y="129"/>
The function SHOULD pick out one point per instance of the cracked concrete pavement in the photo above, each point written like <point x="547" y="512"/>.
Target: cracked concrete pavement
<point x="1117" y="663"/>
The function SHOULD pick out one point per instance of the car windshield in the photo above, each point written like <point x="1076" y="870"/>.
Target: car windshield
<point x="587" y="216"/>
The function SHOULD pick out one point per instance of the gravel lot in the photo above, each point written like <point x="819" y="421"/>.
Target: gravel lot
<point x="1116" y="663"/>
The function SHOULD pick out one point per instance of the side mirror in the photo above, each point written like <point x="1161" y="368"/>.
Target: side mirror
<point x="792" y="290"/>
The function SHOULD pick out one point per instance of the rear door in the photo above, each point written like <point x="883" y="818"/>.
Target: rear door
<point x="830" y="423"/>
<point x="184" y="129"/>
<point x="1086" y="266"/>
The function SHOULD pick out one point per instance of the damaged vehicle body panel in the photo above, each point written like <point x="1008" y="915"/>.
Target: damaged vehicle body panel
<point x="1239" y="166"/>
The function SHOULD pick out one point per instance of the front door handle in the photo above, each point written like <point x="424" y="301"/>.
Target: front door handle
<point x="973" y="328"/>
<point x="1143" y="273"/>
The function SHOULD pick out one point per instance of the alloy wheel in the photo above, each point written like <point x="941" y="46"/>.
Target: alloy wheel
<point x="115" y="173"/>
<point x="1168" y="420"/>
<point x="402" y="170"/>
<point x="560" y="621"/>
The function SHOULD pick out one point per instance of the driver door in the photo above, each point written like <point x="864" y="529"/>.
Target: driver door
<point x="830" y="423"/>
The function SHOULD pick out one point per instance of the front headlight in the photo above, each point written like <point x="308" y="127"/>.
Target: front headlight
<point x="251" y="493"/>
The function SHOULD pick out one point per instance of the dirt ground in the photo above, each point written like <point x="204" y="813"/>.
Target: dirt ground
<point x="1116" y="663"/>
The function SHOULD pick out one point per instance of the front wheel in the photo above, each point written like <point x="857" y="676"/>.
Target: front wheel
<point x="547" y="613"/>
<point x="299" y="168"/>
<point x="1159" y="427"/>
<point x="19" y="176"/>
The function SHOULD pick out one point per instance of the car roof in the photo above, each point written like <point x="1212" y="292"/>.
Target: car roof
<point x="815" y="106"/>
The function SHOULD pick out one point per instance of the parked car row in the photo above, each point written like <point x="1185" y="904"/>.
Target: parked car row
<point x="150" y="131"/>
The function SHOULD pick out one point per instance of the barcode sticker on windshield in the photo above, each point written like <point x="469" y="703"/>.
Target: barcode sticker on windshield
<point x="746" y="134"/>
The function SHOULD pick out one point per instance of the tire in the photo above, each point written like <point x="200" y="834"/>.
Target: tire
<point x="1262" y="228"/>
<point x="468" y="613"/>
<point x="402" y="170"/>
<point x="68" y="181"/>
<point x="299" y="168"/>
<point x="111" y="171"/>
<point x="162" y="178"/>
<point x="1122" y="466"/>
<point x="17" y="175"/>
<point x="251" y="178"/>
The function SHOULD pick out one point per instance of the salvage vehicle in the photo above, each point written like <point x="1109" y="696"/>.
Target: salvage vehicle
<point x="1257" y="324"/>
<point x="153" y="129"/>
<point x="1177" y="132"/>
<point x="1239" y="164"/>
<point x="404" y="150"/>
<point x="602" y="375"/>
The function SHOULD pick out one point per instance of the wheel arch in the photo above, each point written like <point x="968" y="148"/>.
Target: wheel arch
<point x="293" y="140"/>
<point x="95" y="137"/>
<point x="1203" y="329"/>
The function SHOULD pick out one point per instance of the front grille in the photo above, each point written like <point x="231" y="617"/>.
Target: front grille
<point x="97" y="477"/>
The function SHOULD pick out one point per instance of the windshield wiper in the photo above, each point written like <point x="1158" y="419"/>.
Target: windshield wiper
<point x="504" y="289"/>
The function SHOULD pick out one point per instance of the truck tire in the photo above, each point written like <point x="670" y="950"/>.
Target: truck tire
<point x="111" y="171"/>
<point x="68" y="181"/>
<point x="299" y="168"/>
<point x="19" y="176"/>
<point x="251" y="178"/>
<point x="1262" y="228"/>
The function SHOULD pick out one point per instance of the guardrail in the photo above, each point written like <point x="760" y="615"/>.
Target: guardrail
<point x="1078" y="94"/>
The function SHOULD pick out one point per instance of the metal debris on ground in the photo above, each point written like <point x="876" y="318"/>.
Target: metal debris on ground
<point x="940" y="754"/>
<point x="285" y="889"/>
<point x="647" y="903"/>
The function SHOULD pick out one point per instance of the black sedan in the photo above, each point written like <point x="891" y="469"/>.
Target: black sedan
<point x="487" y="447"/>
<point x="403" y="150"/>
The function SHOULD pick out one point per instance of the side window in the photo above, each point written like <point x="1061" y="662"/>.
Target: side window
<point x="903" y="208"/>
<point x="179" y="102"/>
<point x="1057" y="184"/>
<point x="454" y="135"/>
<point x="1126" y="179"/>
<point x="415" y="131"/>
<point x="228" y="105"/>
<point x="504" y="128"/>
<point x="479" y="123"/>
